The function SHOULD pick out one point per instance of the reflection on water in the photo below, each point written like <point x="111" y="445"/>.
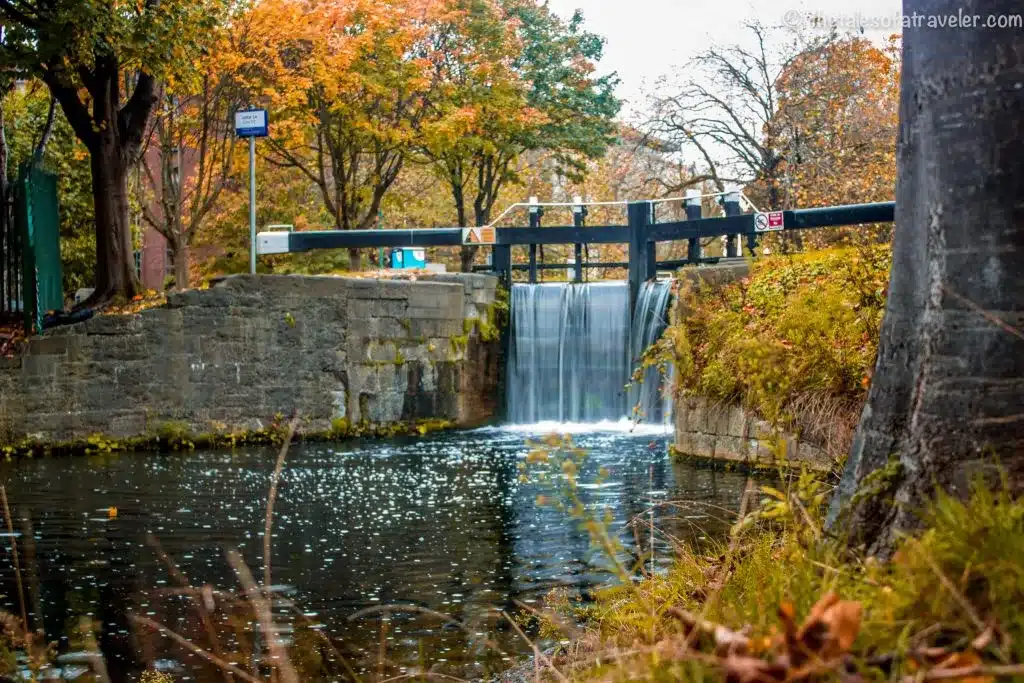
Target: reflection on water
<point x="441" y="523"/>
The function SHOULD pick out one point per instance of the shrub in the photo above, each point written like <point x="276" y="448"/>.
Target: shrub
<point x="797" y="324"/>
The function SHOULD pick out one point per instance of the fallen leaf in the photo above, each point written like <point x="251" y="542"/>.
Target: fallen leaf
<point x="743" y="669"/>
<point x="963" y="660"/>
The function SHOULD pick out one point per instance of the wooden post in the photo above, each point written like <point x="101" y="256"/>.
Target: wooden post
<point x="731" y="204"/>
<point x="534" y="223"/>
<point x="639" y="218"/>
<point x="579" y="215"/>
<point x="694" y="212"/>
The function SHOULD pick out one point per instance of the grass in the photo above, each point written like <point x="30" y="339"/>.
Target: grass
<point x="948" y="606"/>
<point x="795" y="341"/>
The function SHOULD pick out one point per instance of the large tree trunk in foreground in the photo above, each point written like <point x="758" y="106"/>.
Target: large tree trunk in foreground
<point x="947" y="400"/>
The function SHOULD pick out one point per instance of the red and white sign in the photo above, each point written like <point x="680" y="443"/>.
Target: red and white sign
<point x="768" y="222"/>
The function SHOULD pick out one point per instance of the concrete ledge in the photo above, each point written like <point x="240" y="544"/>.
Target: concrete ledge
<point x="730" y="433"/>
<point x="253" y="347"/>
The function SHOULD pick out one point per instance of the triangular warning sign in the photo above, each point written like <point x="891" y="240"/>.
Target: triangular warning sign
<point x="483" y="235"/>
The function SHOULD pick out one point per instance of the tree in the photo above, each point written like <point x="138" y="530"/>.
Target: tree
<point x="949" y="381"/>
<point x="729" y="115"/>
<point x="103" y="63"/>
<point x="837" y="120"/>
<point x="527" y="87"/>
<point x="350" y="84"/>
<point x="27" y="113"/>
<point x="189" y="157"/>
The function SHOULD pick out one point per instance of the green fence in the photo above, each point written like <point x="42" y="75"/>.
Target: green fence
<point x="30" y="266"/>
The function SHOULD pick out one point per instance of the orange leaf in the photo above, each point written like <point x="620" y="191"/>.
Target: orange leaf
<point x="964" y="660"/>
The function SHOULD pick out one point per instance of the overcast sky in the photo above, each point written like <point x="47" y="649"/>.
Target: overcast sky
<point x="650" y="38"/>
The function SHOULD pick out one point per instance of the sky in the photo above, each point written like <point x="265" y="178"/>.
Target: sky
<point x="647" y="39"/>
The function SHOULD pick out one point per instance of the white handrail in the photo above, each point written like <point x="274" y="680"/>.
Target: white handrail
<point x="620" y="202"/>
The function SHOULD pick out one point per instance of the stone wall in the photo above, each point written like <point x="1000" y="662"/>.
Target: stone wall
<point x="252" y="347"/>
<point x="733" y="434"/>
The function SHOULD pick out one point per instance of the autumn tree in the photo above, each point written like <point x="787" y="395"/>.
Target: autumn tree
<point x="522" y="80"/>
<point x="836" y="119"/>
<point x="189" y="152"/>
<point x="104" y="64"/>
<point x="727" y="114"/>
<point x="33" y="130"/>
<point x="349" y="84"/>
<point x="945" y="404"/>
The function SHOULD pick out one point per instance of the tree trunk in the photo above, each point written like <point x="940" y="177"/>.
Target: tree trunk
<point x="181" y="253"/>
<point x="115" y="262"/>
<point x="467" y="254"/>
<point x="354" y="259"/>
<point x="948" y="390"/>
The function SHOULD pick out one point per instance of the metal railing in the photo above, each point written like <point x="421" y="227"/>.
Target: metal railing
<point x="642" y="233"/>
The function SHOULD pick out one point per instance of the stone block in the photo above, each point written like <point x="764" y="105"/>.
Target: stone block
<point x="482" y="297"/>
<point x="434" y="295"/>
<point x="363" y="379"/>
<point x="704" y="445"/>
<point x="113" y="324"/>
<point x="389" y="328"/>
<point x="433" y="327"/>
<point x="737" y="422"/>
<point x="48" y="345"/>
<point x="717" y="421"/>
<point x="685" y="443"/>
<point x="762" y="430"/>
<point x="381" y="351"/>
<point x="396" y="289"/>
<point x="761" y="451"/>
<point x="41" y="366"/>
<point x="366" y="309"/>
<point x="362" y="288"/>
<point x="731" y="448"/>
<point x="127" y="424"/>
<point x="281" y="399"/>
<point x="696" y="415"/>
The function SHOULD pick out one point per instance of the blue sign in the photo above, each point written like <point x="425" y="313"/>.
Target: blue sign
<point x="251" y="123"/>
<point x="408" y="258"/>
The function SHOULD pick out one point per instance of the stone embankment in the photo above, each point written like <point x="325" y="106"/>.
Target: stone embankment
<point x="732" y="434"/>
<point x="251" y="349"/>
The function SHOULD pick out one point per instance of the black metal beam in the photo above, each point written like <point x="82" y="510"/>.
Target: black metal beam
<point x="703" y="227"/>
<point x="835" y="216"/>
<point x="569" y="266"/>
<point x="344" y="239"/>
<point x="565" y="234"/>
<point x="832" y="216"/>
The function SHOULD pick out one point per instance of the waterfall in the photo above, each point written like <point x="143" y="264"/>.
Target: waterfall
<point x="650" y="318"/>
<point x="571" y="349"/>
<point x="567" y="355"/>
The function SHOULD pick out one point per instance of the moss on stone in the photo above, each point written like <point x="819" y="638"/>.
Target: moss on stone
<point x="176" y="437"/>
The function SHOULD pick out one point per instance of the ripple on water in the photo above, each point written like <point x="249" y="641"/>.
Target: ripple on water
<point x="441" y="523"/>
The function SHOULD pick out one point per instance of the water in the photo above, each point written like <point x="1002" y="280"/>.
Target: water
<point x="568" y="358"/>
<point x="442" y="523"/>
<point x="573" y="350"/>
<point x="650" y="318"/>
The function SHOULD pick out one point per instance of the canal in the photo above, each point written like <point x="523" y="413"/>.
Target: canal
<point x="434" y="526"/>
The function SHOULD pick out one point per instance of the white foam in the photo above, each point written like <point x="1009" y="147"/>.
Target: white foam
<point x="623" y="426"/>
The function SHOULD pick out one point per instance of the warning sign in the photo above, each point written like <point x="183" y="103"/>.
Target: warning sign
<point x="768" y="222"/>
<point x="485" y="235"/>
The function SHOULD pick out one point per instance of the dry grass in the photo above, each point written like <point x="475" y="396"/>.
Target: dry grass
<point x="826" y="421"/>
